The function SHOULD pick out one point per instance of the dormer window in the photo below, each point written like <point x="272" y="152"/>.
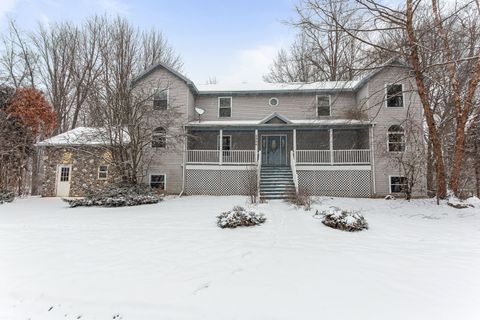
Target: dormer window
<point x="160" y="99"/>
<point x="224" y="107"/>
<point x="394" y="95"/>
<point x="323" y="106"/>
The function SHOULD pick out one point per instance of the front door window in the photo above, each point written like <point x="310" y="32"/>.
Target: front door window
<point x="274" y="150"/>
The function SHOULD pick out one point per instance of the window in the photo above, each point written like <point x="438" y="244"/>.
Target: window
<point x="157" y="181"/>
<point x="394" y="95"/>
<point x="160" y="99"/>
<point x="64" y="174"/>
<point x="323" y="106"/>
<point x="396" y="139"/>
<point x="159" y="138"/>
<point x="103" y="172"/>
<point x="225" y="107"/>
<point x="226" y="143"/>
<point x="397" y="184"/>
<point x="273" y="102"/>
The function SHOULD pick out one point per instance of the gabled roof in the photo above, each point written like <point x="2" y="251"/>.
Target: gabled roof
<point x="161" y="65"/>
<point x="395" y="61"/>
<point x="82" y="136"/>
<point x="273" y="116"/>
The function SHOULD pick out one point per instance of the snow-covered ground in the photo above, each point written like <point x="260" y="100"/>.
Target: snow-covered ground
<point x="171" y="261"/>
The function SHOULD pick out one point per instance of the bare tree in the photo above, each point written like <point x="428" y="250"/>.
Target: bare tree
<point x="322" y="51"/>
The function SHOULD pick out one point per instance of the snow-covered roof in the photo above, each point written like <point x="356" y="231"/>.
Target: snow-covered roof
<point x="276" y="87"/>
<point x="82" y="136"/>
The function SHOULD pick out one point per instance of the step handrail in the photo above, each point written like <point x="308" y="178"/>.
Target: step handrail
<point x="259" y="170"/>
<point x="294" y="170"/>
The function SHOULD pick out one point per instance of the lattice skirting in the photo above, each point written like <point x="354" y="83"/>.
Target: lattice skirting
<point x="336" y="183"/>
<point x="221" y="182"/>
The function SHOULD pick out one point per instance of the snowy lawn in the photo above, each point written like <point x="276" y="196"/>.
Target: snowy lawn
<point x="170" y="261"/>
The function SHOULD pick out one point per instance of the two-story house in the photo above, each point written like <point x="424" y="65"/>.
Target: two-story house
<point x="321" y="138"/>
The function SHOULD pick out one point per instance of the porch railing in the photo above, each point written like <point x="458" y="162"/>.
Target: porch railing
<point x="225" y="156"/>
<point x="302" y="157"/>
<point x="333" y="157"/>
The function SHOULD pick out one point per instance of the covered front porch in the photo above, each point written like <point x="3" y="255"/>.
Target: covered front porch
<point x="274" y="146"/>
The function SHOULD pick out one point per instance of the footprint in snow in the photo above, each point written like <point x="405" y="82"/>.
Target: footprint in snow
<point x="205" y="286"/>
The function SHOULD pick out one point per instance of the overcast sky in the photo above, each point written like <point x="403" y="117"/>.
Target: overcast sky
<point x="234" y="41"/>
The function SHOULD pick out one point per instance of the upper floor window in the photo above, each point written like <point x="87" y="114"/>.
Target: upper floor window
<point x="102" y="172"/>
<point x="224" y="107"/>
<point x="159" y="138"/>
<point x="394" y="95"/>
<point x="160" y="99"/>
<point x="396" y="139"/>
<point x="323" y="106"/>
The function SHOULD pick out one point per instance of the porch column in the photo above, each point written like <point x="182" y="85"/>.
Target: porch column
<point x="331" y="146"/>
<point x="220" y="157"/>
<point x="295" y="143"/>
<point x="256" y="145"/>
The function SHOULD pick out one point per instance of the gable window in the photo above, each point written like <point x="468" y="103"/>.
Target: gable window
<point x="396" y="139"/>
<point x="160" y="99"/>
<point x="159" y="138"/>
<point x="397" y="184"/>
<point x="102" y="172"/>
<point x="157" y="181"/>
<point x="273" y="102"/>
<point x="323" y="106"/>
<point x="394" y="95"/>
<point x="224" y="107"/>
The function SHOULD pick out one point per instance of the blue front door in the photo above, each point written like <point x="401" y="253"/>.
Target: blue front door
<point x="274" y="150"/>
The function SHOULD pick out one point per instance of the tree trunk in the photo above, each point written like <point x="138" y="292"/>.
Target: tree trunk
<point x="432" y="128"/>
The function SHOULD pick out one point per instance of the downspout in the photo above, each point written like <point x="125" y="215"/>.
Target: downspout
<point x="372" y="156"/>
<point x="184" y="153"/>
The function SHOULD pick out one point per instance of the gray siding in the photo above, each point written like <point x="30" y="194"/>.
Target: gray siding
<point x="369" y="98"/>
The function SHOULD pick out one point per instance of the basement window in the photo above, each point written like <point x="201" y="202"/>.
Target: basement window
<point x="157" y="181"/>
<point x="397" y="184"/>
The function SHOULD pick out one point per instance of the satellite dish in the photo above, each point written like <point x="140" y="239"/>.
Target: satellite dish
<point x="200" y="111"/>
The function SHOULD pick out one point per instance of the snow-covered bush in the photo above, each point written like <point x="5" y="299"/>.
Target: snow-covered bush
<point x="239" y="217"/>
<point x="389" y="197"/>
<point x="456" y="203"/>
<point x="119" y="195"/>
<point x="342" y="219"/>
<point x="6" y="196"/>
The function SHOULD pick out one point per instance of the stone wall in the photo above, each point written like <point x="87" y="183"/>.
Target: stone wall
<point x="84" y="173"/>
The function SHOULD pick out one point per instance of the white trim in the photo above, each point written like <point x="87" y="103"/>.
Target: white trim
<point x="333" y="168"/>
<point x="329" y="104"/>
<point x="98" y="171"/>
<point x="390" y="183"/>
<point x="270" y="102"/>
<point x="385" y="96"/>
<point x="164" y="180"/>
<point x="231" y="106"/>
<point x="218" y="167"/>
